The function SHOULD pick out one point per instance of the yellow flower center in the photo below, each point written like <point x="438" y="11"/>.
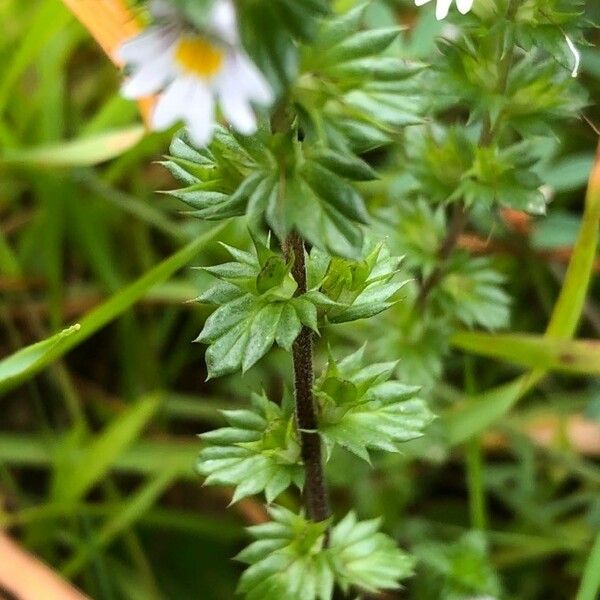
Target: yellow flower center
<point x="199" y="57"/>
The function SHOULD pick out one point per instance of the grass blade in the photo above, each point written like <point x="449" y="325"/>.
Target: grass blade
<point x="95" y="460"/>
<point x="25" y="363"/>
<point x="590" y="583"/>
<point x="130" y="512"/>
<point x="82" y="152"/>
<point x="49" y="19"/>
<point x="537" y="352"/>
<point x="17" y="367"/>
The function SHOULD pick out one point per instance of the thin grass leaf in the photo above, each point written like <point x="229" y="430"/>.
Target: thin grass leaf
<point x="25" y="363"/>
<point x="81" y="152"/>
<point x="590" y="582"/>
<point x="537" y="352"/>
<point x="130" y="512"/>
<point x="93" y="462"/>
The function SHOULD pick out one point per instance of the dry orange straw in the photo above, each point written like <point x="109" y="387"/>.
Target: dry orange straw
<point x="28" y="578"/>
<point x="110" y="22"/>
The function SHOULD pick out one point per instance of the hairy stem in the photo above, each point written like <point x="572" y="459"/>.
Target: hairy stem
<point x="315" y="491"/>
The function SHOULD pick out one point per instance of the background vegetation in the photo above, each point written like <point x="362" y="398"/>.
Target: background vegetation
<point x="98" y="425"/>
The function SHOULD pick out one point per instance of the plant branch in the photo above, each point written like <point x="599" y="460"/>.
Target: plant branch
<point x="315" y="490"/>
<point x="455" y="229"/>
<point x="460" y="215"/>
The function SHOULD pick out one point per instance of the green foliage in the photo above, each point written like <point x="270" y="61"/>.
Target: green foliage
<point x="497" y="114"/>
<point x="30" y="360"/>
<point x="450" y="165"/>
<point x="352" y="95"/>
<point x="258" y="305"/>
<point x="503" y="176"/>
<point x="366" y="558"/>
<point x="544" y="23"/>
<point x="472" y="292"/>
<point x="289" y="558"/>
<point x="459" y="570"/>
<point x="259" y="450"/>
<point x="81" y="468"/>
<point x="359" y="289"/>
<point x="221" y="181"/>
<point x="271" y="29"/>
<point x="347" y="98"/>
<point x="499" y="71"/>
<point x="256" y="308"/>
<point x="421" y="341"/>
<point x="277" y="180"/>
<point x="362" y="407"/>
<point x="415" y="230"/>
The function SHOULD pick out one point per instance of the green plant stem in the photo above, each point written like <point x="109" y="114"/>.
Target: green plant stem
<point x="456" y="227"/>
<point x="315" y="490"/>
<point x="460" y="213"/>
<point x="474" y="463"/>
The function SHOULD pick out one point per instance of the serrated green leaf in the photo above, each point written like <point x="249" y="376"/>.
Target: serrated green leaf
<point x="344" y="164"/>
<point x="366" y="558"/>
<point x="259" y="452"/>
<point x="363" y="43"/>
<point x="334" y="190"/>
<point x="263" y="330"/>
<point x="272" y="274"/>
<point x="289" y="327"/>
<point x="224" y="318"/>
<point x="256" y="308"/>
<point x="462" y="568"/>
<point x="288" y="558"/>
<point x="361" y="408"/>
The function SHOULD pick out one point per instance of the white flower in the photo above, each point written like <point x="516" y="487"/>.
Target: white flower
<point x="194" y="71"/>
<point x="442" y="7"/>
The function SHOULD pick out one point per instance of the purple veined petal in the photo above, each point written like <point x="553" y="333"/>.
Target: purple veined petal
<point x="200" y="114"/>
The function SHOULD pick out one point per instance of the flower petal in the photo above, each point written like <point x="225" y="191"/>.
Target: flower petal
<point x="149" y="78"/>
<point x="200" y="114"/>
<point x="223" y="21"/>
<point x="249" y="78"/>
<point x="442" y="9"/>
<point x="239" y="113"/>
<point x="148" y="45"/>
<point x="173" y="103"/>
<point x="464" y="6"/>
